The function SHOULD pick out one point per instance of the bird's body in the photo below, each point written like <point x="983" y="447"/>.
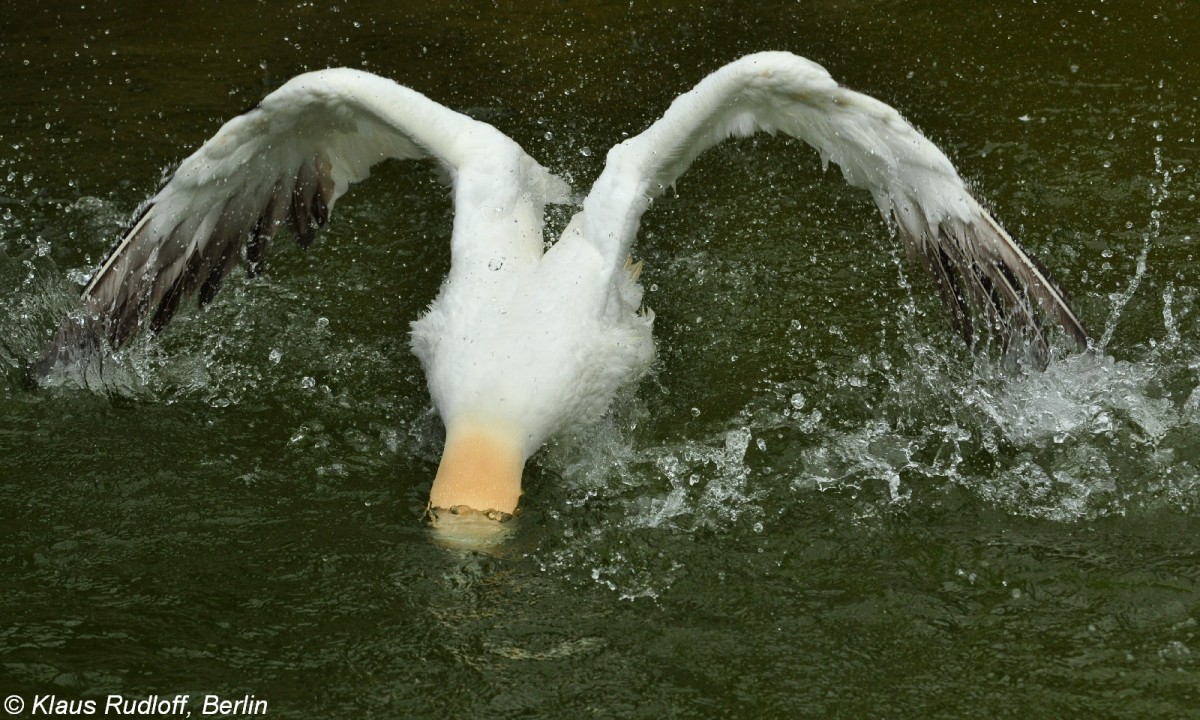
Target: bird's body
<point x="514" y="359"/>
<point x="523" y="342"/>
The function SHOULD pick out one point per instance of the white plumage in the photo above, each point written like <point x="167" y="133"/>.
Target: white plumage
<point x="522" y="343"/>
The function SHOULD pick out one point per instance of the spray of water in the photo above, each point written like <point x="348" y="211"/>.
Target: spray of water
<point x="1091" y="436"/>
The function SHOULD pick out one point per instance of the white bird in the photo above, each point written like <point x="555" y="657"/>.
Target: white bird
<point x="523" y="342"/>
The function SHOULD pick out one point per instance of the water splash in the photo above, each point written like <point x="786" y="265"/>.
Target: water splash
<point x="685" y="485"/>
<point x="1158" y="194"/>
<point x="624" y="499"/>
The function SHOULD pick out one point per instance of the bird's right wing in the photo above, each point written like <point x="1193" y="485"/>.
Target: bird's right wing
<point x="286" y="162"/>
<point x="984" y="276"/>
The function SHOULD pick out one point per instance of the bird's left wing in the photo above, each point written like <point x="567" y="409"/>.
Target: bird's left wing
<point x="285" y="163"/>
<point x="984" y="276"/>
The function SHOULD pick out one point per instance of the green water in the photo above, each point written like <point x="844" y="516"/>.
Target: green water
<point x="819" y="505"/>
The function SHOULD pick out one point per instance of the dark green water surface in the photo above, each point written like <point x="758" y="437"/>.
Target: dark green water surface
<point x="818" y="505"/>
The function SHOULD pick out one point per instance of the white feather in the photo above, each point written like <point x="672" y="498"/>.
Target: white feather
<point x="532" y="341"/>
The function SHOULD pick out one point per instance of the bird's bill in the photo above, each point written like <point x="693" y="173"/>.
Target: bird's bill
<point x="480" y="472"/>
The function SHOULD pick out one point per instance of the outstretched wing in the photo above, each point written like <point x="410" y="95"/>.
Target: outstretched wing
<point x="984" y="276"/>
<point x="286" y="162"/>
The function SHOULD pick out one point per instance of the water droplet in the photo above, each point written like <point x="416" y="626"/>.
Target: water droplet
<point x="808" y="423"/>
<point x="307" y="383"/>
<point x="585" y="151"/>
<point x="495" y="264"/>
<point x="275" y="356"/>
<point x="695" y="412"/>
<point x="1175" y="650"/>
<point x="797" y="401"/>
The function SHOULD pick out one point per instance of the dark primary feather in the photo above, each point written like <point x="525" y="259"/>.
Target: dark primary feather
<point x="285" y="163"/>
<point x="990" y="283"/>
<point x="148" y="275"/>
<point x="992" y="287"/>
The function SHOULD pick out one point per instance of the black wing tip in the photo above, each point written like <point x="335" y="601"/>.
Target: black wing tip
<point x="312" y="195"/>
<point x="992" y="304"/>
<point x="74" y="341"/>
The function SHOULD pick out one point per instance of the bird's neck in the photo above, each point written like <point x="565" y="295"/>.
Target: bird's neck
<point x="480" y="469"/>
